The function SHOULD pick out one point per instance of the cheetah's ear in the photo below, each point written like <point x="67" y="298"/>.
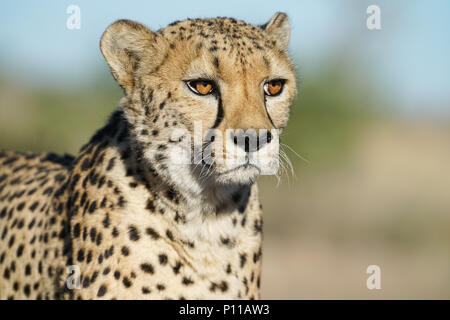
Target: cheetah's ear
<point x="279" y="27"/>
<point x="123" y="44"/>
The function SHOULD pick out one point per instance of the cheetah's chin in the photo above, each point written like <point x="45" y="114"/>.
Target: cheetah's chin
<point x="243" y="174"/>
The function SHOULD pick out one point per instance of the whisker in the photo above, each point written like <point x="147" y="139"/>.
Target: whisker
<point x="294" y="152"/>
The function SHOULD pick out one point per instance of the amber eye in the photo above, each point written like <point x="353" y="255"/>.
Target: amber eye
<point x="201" y="87"/>
<point x="273" y="87"/>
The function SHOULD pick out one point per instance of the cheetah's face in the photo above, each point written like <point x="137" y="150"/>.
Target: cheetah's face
<point x="207" y="98"/>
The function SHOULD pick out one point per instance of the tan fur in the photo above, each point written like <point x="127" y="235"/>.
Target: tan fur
<point x="137" y="223"/>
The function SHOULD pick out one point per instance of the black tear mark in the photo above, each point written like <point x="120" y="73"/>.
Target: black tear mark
<point x="220" y="113"/>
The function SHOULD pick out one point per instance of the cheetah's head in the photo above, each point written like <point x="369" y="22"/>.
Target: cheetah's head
<point x="204" y="97"/>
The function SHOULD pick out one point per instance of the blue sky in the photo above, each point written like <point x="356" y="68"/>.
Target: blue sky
<point x="408" y="59"/>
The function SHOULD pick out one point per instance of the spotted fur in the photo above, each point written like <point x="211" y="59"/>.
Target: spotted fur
<point x="138" y="224"/>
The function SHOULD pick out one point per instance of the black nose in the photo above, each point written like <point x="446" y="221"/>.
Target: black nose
<point x="250" y="141"/>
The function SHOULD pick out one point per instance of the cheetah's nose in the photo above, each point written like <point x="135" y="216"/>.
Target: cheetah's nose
<point x="250" y="141"/>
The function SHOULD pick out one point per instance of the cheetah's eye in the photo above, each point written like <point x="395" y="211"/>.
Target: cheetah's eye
<point x="200" y="87"/>
<point x="274" y="87"/>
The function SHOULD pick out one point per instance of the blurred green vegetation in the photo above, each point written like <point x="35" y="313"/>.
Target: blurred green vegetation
<point x="327" y="116"/>
<point x="37" y="118"/>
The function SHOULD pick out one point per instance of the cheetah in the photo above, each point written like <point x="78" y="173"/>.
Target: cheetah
<point x="128" y="218"/>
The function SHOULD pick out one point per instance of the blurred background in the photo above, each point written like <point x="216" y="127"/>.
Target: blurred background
<point x="372" y="118"/>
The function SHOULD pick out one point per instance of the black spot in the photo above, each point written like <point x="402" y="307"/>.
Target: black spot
<point x="170" y="194"/>
<point x="27" y="270"/>
<point x="152" y="233"/>
<point x="147" y="267"/>
<point x="126" y="282"/>
<point x="115" y="232"/>
<point x="176" y="268"/>
<point x="257" y="256"/>
<point x="133" y="233"/>
<point x="101" y="182"/>
<point x="26" y="290"/>
<point x="10" y="160"/>
<point x="98" y="241"/>
<point x="160" y="287"/>
<point x="11" y="241"/>
<point x="3" y="177"/>
<point x="213" y="287"/>
<point x="145" y="290"/>
<point x="86" y="164"/>
<point x="109" y="252"/>
<point x="125" y="251"/>
<point x="150" y="205"/>
<point x="20" y="250"/>
<point x="169" y="234"/>
<point x="48" y="191"/>
<point x="94" y="276"/>
<point x="162" y="259"/>
<point x="80" y="255"/>
<point x="121" y="202"/>
<point x="187" y="281"/>
<point x="6" y="274"/>
<point x="34" y="206"/>
<point x="110" y="164"/>
<point x="89" y="256"/>
<point x="93" y="234"/>
<point x="243" y="221"/>
<point x="258" y="226"/>
<point x="101" y="291"/>
<point x="223" y="286"/>
<point x="106" y="222"/>
<point x="20" y="206"/>
<point x="243" y="258"/>
<point x="5" y="231"/>
<point x="133" y="184"/>
<point x="83" y="199"/>
<point x="103" y="204"/>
